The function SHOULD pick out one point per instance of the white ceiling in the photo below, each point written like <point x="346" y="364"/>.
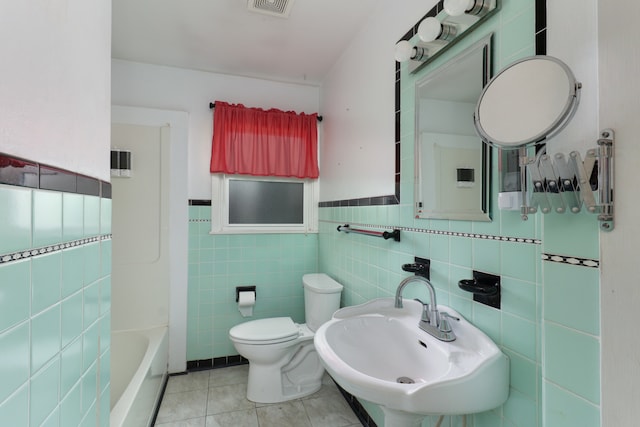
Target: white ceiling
<point x="223" y="36"/>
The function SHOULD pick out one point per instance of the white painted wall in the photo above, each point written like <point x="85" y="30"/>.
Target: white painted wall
<point x="55" y="83"/>
<point x="577" y="45"/>
<point x="619" y="67"/>
<point x="358" y="153"/>
<point x="167" y="88"/>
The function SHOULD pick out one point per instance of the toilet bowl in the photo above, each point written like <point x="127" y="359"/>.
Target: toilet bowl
<point x="283" y="363"/>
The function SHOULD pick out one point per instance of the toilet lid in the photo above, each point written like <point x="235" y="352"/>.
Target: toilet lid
<point x="265" y="331"/>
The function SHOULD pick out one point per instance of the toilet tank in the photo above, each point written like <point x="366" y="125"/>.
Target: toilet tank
<point x="321" y="298"/>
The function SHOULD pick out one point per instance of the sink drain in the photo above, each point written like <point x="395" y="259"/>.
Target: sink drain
<point x="405" y="380"/>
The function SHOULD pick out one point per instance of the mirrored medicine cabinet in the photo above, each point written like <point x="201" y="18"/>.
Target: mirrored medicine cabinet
<point x="453" y="165"/>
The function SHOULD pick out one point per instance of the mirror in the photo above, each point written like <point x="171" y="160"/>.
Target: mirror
<point x="453" y="166"/>
<point x="529" y="101"/>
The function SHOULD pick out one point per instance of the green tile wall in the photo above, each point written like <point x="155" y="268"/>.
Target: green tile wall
<point x="54" y="308"/>
<point x="15" y="229"/>
<point x="548" y="324"/>
<point x="274" y="263"/>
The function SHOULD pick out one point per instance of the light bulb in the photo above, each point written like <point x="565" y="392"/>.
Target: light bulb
<point x="429" y="29"/>
<point x="458" y="7"/>
<point x="404" y="51"/>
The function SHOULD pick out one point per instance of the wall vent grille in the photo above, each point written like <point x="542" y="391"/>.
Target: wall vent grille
<point x="279" y="8"/>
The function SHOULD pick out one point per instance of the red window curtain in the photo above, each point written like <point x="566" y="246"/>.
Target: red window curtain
<point x="252" y="141"/>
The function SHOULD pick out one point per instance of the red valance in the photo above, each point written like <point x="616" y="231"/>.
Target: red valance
<point x="252" y="141"/>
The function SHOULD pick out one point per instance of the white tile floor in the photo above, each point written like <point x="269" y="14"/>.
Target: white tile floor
<point x="217" y="398"/>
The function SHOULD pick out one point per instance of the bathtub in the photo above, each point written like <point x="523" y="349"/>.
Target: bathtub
<point x="138" y="372"/>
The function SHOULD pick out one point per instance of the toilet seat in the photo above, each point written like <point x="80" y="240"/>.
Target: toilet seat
<point x="265" y="331"/>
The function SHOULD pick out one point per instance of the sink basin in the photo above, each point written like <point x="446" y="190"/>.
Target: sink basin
<point x="378" y="353"/>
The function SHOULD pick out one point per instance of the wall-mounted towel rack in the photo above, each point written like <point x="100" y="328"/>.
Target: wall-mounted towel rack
<point x="395" y="234"/>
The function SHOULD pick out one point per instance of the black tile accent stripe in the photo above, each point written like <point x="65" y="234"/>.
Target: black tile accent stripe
<point x="357" y="408"/>
<point x="199" y="202"/>
<point x="541" y="15"/>
<point x="57" y="179"/>
<point x="216" y="362"/>
<point x="88" y="186"/>
<point x="28" y="253"/>
<point x="30" y="174"/>
<point x="106" y="189"/>
<point x="365" y="201"/>
<point x="448" y="233"/>
<point x="541" y="42"/>
<point x="541" y="27"/>
<point x="565" y="259"/>
<point x="160" y="398"/>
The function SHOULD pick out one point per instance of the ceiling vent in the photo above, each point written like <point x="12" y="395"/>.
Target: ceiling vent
<point x="279" y="8"/>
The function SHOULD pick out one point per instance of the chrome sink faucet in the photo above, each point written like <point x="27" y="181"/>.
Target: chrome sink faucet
<point x="432" y="322"/>
<point x="429" y="315"/>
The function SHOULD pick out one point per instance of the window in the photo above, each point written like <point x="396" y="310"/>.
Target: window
<point x="251" y="204"/>
<point x="264" y="166"/>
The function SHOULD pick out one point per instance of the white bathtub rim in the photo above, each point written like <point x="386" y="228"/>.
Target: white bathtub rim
<point x="121" y="409"/>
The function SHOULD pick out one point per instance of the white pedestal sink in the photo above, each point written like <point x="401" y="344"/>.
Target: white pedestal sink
<point x="378" y="353"/>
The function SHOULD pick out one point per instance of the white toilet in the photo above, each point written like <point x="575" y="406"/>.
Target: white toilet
<point x="283" y="363"/>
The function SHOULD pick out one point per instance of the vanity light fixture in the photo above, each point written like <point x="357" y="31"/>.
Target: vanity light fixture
<point x="435" y="34"/>
<point x="468" y="7"/>
<point x="406" y="51"/>
<point x="431" y="29"/>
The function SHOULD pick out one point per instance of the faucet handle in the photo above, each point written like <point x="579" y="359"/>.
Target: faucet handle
<point x="424" y="317"/>
<point x="445" y="325"/>
<point x="445" y="314"/>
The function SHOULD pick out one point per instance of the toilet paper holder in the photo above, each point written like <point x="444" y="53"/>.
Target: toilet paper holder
<point x="244" y="289"/>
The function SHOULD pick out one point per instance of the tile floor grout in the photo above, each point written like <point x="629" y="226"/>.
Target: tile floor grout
<point x="217" y="398"/>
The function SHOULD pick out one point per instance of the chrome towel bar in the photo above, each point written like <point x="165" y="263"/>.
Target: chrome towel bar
<point x="395" y="234"/>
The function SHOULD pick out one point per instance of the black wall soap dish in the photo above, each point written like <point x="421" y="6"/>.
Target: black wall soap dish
<point x="485" y="288"/>
<point x="421" y="267"/>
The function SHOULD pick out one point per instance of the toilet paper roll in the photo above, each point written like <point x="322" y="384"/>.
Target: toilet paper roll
<point x="246" y="301"/>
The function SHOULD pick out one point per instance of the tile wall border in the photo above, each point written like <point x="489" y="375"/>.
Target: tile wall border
<point x="561" y="259"/>
<point x="20" y="172"/>
<point x="571" y="260"/>
<point x="30" y="253"/>
<point x="199" y="202"/>
<point x="466" y="234"/>
<point x="216" y="362"/>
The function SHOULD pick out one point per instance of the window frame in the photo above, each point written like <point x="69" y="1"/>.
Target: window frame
<point x="220" y="207"/>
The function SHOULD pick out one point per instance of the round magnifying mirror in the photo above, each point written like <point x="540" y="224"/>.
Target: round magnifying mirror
<point x="529" y="101"/>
